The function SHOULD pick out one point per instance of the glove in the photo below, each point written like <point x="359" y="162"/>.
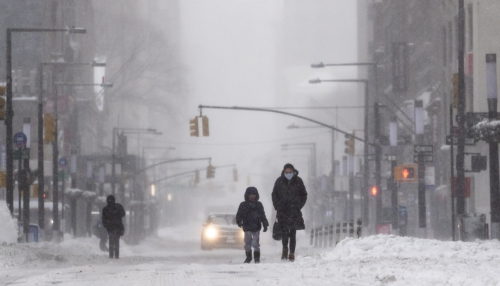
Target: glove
<point x="265" y="228"/>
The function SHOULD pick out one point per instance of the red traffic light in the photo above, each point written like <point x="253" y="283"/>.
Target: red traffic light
<point x="374" y="191"/>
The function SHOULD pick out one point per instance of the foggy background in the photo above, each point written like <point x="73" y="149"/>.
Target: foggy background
<point x="258" y="53"/>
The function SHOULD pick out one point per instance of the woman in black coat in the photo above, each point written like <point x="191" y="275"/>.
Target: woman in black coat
<point x="289" y="197"/>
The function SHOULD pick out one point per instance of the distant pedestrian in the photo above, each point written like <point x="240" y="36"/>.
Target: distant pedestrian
<point x="252" y="218"/>
<point x="112" y="215"/>
<point x="102" y="234"/>
<point x="289" y="197"/>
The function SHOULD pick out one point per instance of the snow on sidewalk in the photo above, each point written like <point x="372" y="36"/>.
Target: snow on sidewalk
<point x="374" y="260"/>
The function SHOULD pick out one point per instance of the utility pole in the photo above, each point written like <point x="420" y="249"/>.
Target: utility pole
<point x="460" y="188"/>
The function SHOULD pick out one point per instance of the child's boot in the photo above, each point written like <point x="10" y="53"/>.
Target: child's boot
<point x="256" y="256"/>
<point x="249" y="257"/>
<point x="284" y="254"/>
<point x="291" y="257"/>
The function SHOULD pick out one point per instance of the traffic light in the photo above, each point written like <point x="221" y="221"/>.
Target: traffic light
<point x="374" y="191"/>
<point x="349" y="144"/>
<point x="193" y="127"/>
<point x="406" y="173"/>
<point x="49" y="128"/>
<point x="204" y="125"/>
<point x="210" y="172"/>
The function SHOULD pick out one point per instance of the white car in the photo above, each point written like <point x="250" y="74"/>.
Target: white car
<point x="221" y="231"/>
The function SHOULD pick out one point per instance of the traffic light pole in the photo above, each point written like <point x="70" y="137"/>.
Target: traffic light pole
<point x="244" y="108"/>
<point x="460" y="194"/>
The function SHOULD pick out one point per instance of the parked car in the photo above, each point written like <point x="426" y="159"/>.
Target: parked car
<point x="221" y="231"/>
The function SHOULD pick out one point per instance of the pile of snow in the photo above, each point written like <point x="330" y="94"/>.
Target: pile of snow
<point x="414" y="261"/>
<point x="8" y="233"/>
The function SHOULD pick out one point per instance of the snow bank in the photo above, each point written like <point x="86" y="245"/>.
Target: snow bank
<point x="414" y="261"/>
<point x="8" y="233"/>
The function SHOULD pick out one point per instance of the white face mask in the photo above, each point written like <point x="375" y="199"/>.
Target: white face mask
<point x="289" y="176"/>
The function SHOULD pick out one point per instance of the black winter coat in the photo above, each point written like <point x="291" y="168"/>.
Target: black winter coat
<point x="289" y="197"/>
<point x="112" y="215"/>
<point x="251" y="215"/>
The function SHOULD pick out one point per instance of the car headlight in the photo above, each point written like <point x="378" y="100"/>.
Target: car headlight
<point x="211" y="232"/>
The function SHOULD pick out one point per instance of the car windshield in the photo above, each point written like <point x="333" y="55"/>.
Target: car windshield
<point x="222" y="219"/>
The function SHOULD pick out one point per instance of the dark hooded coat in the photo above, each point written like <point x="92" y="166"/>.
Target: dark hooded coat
<point x="289" y="197"/>
<point x="112" y="215"/>
<point x="251" y="215"/>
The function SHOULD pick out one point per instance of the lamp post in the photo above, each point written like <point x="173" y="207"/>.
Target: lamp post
<point x="492" y="97"/>
<point x="9" y="108"/>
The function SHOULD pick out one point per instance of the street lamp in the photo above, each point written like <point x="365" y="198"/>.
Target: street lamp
<point x="9" y="108"/>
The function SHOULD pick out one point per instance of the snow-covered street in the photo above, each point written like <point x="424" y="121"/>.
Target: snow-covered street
<point x="170" y="260"/>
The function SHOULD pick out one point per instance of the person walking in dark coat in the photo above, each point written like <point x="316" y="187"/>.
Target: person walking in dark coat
<point x="289" y="197"/>
<point x="252" y="218"/>
<point x="112" y="215"/>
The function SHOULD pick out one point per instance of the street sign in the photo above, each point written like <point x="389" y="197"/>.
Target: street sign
<point x="423" y="148"/>
<point x="454" y="139"/>
<point x="20" y="140"/>
<point x="426" y="157"/>
<point x="63" y="162"/>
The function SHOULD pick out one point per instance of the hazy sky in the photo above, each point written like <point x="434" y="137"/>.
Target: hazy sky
<point x="257" y="53"/>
